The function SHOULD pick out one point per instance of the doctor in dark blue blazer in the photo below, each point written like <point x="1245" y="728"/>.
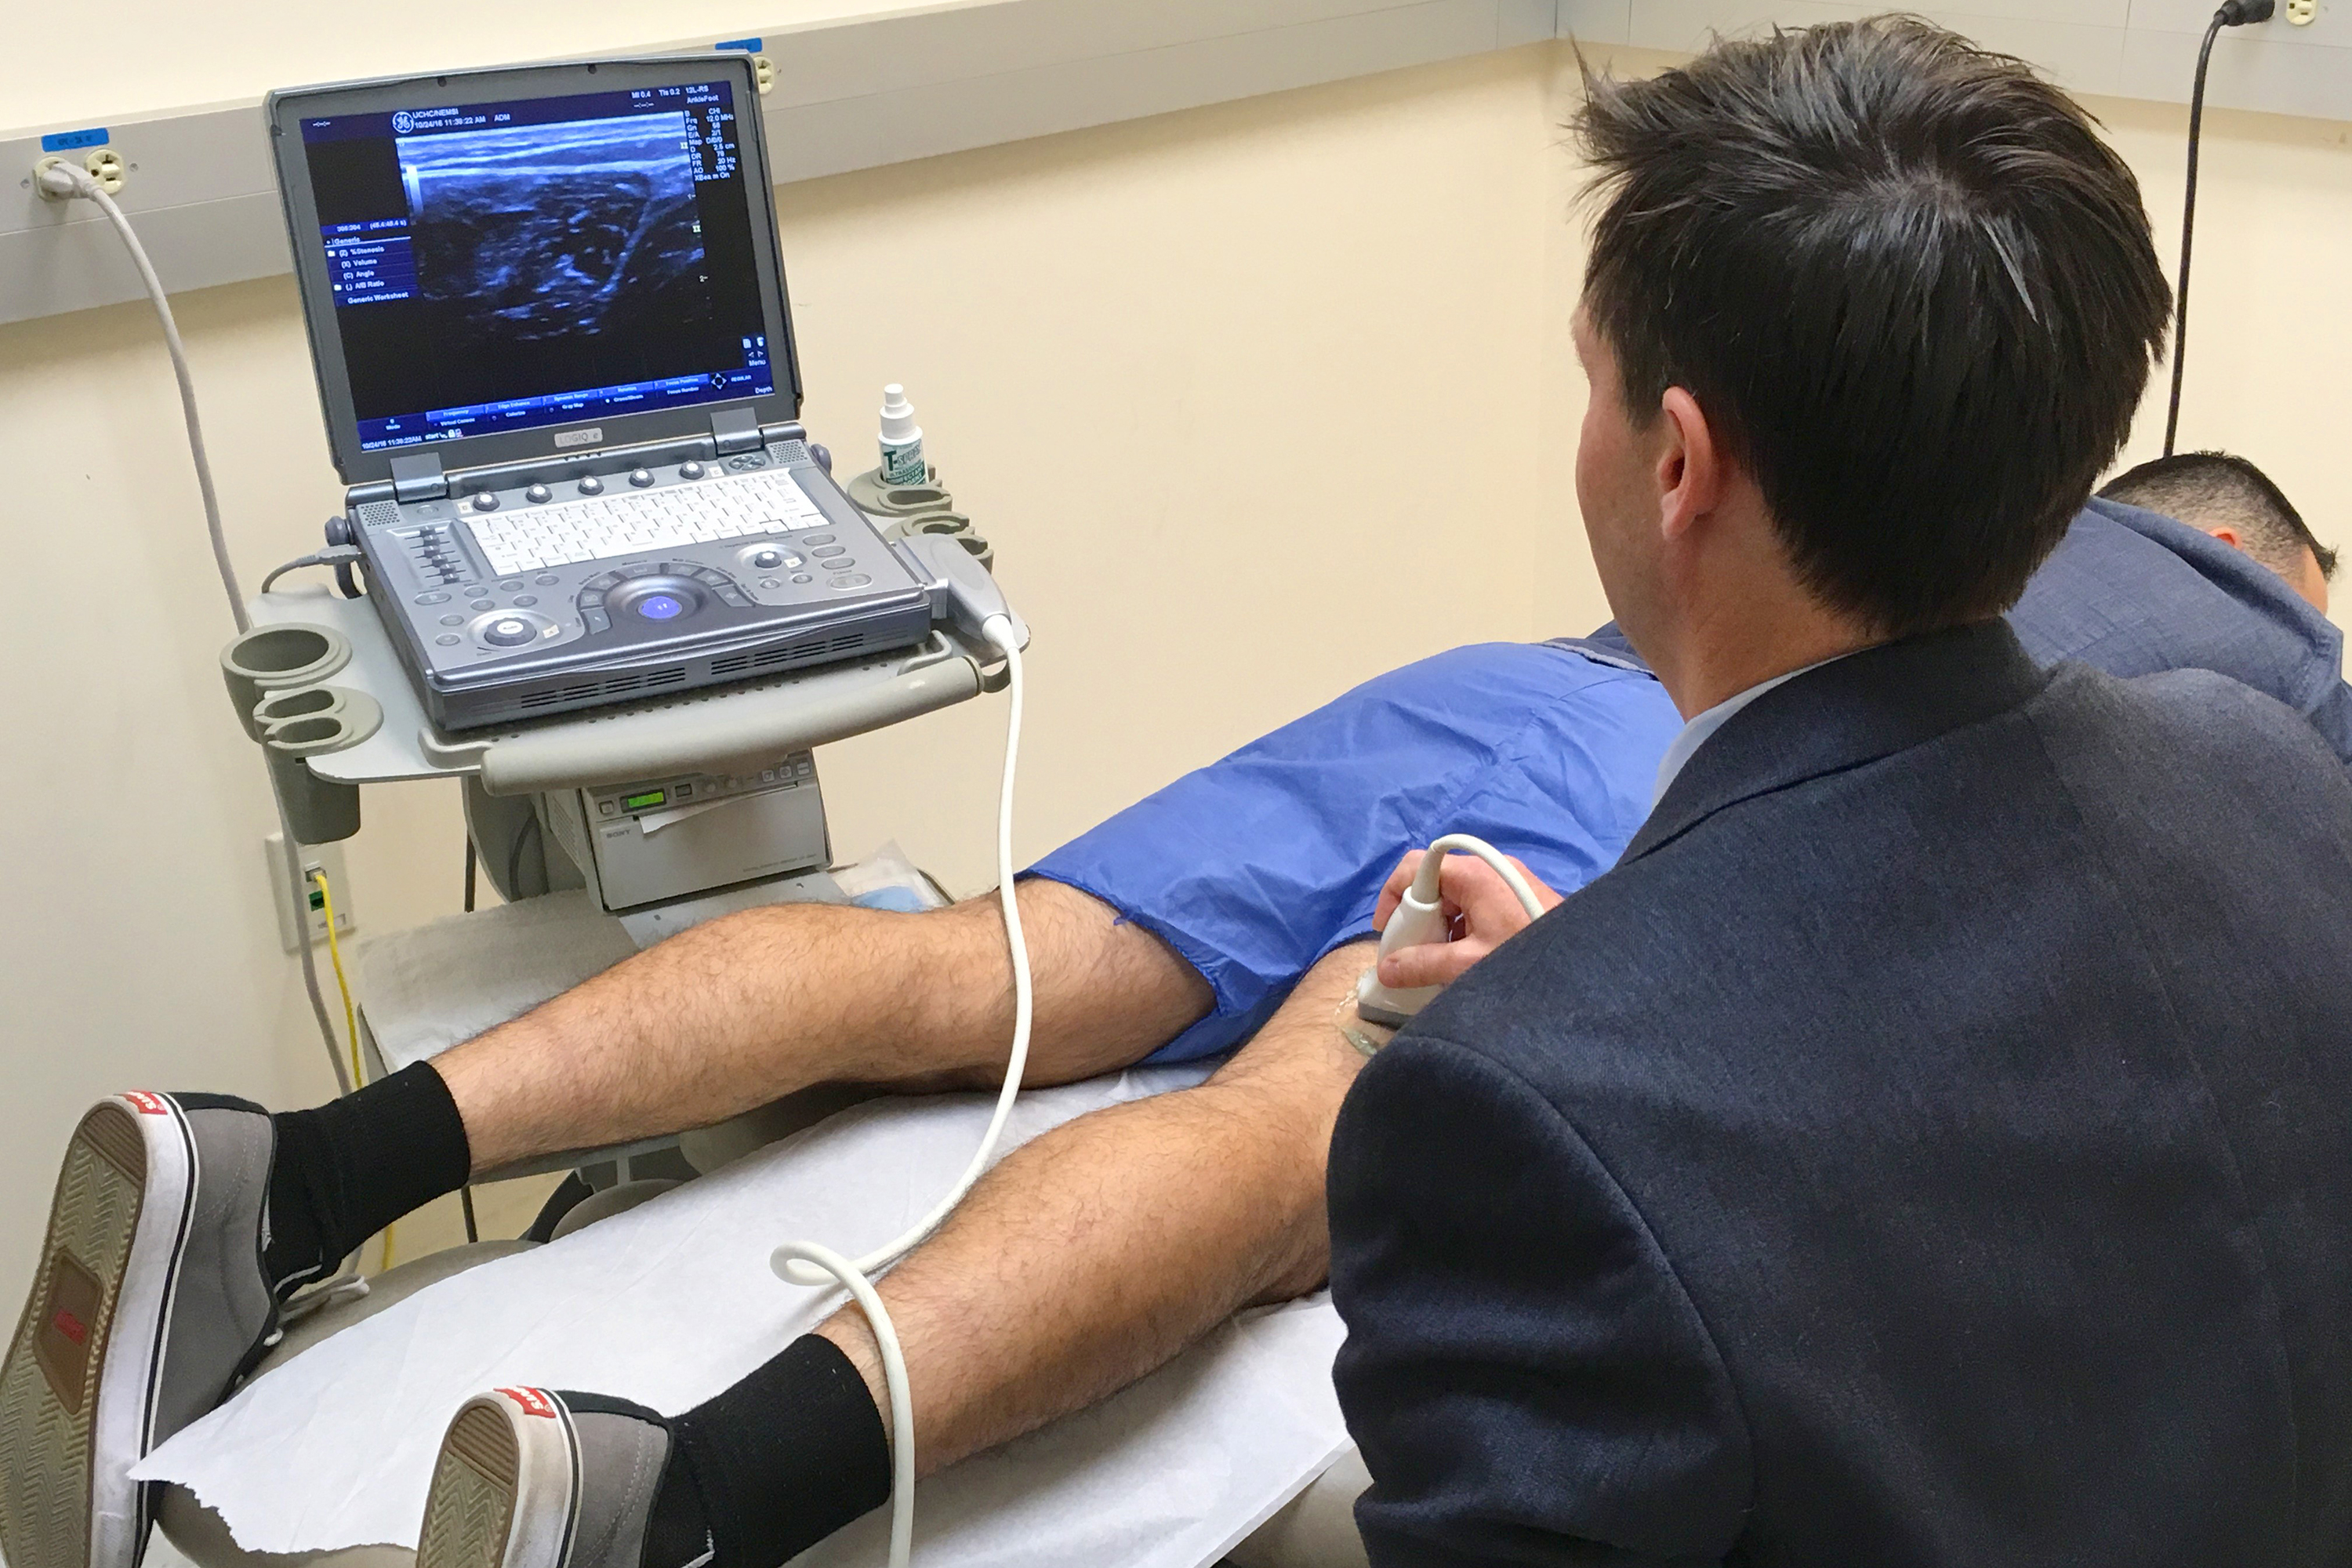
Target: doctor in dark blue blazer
<point x="1932" y="1143"/>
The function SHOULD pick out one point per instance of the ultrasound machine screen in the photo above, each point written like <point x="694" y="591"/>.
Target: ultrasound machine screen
<point x="499" y="267"/>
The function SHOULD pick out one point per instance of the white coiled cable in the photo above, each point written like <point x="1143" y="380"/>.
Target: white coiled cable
<point x="808" y="1263"/>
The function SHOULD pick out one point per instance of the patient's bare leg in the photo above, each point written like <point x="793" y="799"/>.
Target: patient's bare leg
<point x="1098" y="1252"/>
<point x="738" y="1012"/>
<point x="1082" y="1262"/>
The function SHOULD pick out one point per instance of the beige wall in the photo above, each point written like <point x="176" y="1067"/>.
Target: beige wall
<point x="1219" y="386"/>
<point x="1232" y="390"/>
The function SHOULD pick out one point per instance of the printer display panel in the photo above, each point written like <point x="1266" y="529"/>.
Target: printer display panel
<point x="502" y="266"/>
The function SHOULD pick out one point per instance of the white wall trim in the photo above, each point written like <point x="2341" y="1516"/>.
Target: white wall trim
<point x="860" y="91"/>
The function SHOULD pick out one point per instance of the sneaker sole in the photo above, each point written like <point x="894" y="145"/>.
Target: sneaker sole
<point x="78" y="1388"/>
<point x="505" y="1490"/>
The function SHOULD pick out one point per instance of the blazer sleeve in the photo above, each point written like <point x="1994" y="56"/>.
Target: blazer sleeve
<point x="1526" y="1378"/>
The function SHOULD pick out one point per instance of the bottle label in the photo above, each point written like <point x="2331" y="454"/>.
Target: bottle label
<point x="903" y="464"/>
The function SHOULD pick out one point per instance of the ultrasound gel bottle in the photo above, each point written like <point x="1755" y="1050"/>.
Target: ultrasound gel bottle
<point x="902" y="440"/>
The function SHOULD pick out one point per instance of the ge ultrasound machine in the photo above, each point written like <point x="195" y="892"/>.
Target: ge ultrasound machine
<point x="592" y="568"/>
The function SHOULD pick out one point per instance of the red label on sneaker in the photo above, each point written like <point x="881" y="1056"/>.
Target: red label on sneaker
<point x="148" y="1104"/>
<point x="73" y="1328"/>
<point x="531" y="1402"/>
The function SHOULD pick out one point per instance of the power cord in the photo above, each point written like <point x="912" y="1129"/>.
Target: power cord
<point x="60" y="181"/>
<point x="63" y="181"/>
<point x="2233" y="14"/>
<point x="808" y="1263"/>
<point x="350" y="1013"/>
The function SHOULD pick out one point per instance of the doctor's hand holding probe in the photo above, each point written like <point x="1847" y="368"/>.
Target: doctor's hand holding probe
<point x="1444" y="909"/>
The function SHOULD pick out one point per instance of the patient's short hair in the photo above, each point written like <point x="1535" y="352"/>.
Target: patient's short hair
<point x="1913" y="289"/>
<point x="2219" y="490"/>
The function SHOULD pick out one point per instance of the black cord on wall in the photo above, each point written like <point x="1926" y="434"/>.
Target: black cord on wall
<point x="2235" y="13"/>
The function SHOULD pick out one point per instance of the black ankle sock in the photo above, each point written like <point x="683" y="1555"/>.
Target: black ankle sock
<point x="352" y="1166"/>
<point x="679" y="1532"/>
<point x="783" y="1459"/>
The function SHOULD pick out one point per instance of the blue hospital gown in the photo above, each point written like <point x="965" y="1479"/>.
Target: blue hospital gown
<point x="1255" y="867"/>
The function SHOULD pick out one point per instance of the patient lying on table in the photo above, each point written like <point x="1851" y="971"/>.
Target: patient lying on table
<point x="1224" y="917"/>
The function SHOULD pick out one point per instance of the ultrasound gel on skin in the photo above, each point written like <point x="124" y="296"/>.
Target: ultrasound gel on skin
<point x="902" y="440"/>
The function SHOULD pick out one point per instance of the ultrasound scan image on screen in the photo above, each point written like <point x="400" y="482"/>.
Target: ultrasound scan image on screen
<point x="499" y="267"/>
<point x="542" y="232"/>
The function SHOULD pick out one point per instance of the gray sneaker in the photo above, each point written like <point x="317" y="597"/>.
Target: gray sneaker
<point x="535" y="1478"/>
<point x="149" y="1302"/>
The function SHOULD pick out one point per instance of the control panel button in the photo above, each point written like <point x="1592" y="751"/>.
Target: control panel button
<point x="512" y="587"/>
<point x="851" y="580"/>
<point x="486" y="603"/>
<point x="602" y="581"/>
<point x="485" y="501"/>
<point x="509" y="633"/>
<point x="538" y="495"/>
<point x="732" y="596"/>
<point x="660" y="606"/>
<point x="592" y="486"/>
<point x="525" y="601"/>
<point x="770" y="583"/>
<point x="453" y="620"/>
<point x="448" y="639"/>
<point x="691" y="470"/>
<point x="640" y="478"/>
<point x="431" y="599"/>
<point x="471" y="590"/>
<point x="608" y="808"/>
<point x="546" y="579"/>
<point x="591" y="597"/>
<point x="818" y="539"/>
<point x="594" y="618"/>
<point x="826" y="552"/>
<point x="803" y="577"/>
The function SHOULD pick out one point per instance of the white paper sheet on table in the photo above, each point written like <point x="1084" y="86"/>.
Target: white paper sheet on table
<point x="672" y="1302"/>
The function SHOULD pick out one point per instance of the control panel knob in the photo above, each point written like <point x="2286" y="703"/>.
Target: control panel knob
<point x="538" y="495"/>
<point x="640" y="478"/>
<point x="592" y="486"/>
<point x="485" y="501"/>
<point x="509" y="633"/>
<point x="690" y="470"/>
<point x="767" y="560"/>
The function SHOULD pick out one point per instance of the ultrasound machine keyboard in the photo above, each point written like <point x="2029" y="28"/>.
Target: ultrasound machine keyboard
<point x="543" y="536"/>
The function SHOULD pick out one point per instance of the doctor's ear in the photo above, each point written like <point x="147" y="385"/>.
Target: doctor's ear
<point x="1690" y="473"/>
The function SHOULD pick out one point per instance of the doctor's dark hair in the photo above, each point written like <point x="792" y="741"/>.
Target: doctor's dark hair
<point x="1912" y="290"/>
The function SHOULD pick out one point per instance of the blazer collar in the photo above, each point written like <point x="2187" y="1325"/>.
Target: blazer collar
<point x="1850" y="711"/>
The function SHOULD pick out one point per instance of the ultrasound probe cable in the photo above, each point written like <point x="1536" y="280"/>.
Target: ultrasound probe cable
<point x="807" y="1263"/>
<point x="60" y="181"/>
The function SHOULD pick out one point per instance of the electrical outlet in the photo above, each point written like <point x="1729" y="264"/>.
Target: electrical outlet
<point x="106" y="166"/>
<point x="764" y="70"/>
<point x="2302" y="13"/>
<point x="323" y="858"/>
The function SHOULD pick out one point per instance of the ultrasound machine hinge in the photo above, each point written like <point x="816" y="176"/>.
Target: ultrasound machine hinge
<point x="416" y="477"/>
<point x="735" y="430"/>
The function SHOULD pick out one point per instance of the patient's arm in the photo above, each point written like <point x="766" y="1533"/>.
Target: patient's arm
<point x="748" y="1008"/>
<point x="1095" y="1253"/>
